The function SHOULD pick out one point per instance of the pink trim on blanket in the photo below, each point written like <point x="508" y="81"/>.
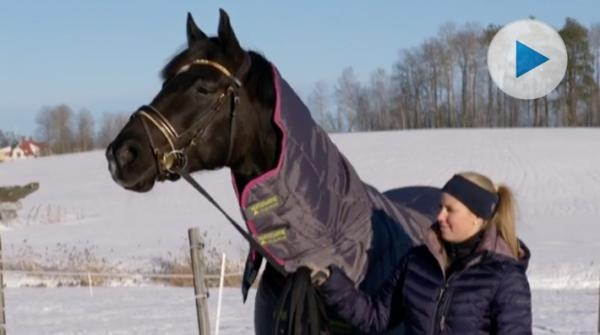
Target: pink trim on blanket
<point x="271" y="173"/>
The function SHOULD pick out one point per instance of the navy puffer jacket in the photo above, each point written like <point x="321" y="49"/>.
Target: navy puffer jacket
<point x="488" y="295"/>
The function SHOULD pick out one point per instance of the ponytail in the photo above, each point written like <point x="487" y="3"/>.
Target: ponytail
<point x="504" y="217"/>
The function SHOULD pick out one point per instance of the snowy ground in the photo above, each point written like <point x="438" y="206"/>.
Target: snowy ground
<point x="165" y="310"/>
<point x="121" y="310"/>
<point x="555" y="174"/>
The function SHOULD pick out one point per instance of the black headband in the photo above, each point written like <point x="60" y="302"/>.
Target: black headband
<point x="479" y="200"/>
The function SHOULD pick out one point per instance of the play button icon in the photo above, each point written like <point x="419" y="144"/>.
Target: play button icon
<point x="527" y="59"/>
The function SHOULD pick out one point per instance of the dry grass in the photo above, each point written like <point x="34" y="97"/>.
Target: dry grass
<point x="53" y="213"/>
<point x="69" y="266"/>
<point x="70" y="260"/>
<point x="180" y="267"/>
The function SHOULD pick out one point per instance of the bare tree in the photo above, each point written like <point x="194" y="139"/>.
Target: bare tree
<point x="380" y="100"/>
<point x="465" y="44"/>
<point x="63" y="116"/>
<point x="578" y="85"/>
<point x="84" y="137"/>
<point x="44" y="124"/>
<point x="446" y="35"/>
<point x="110" y="126"/>
<point x="54" y="125"/>
<point x="594" y="37"/>
<point x="318" y="103"/>
<point x="347" y="95"/>
<point x="401" y="88"/>
<point x="492" y="109"/>
<point x="411" y="84"/>
<point x="434" y="53"/>
<point x="4" y="140"/>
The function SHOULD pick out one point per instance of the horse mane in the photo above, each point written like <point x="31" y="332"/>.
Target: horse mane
<point x="259" y="81"/>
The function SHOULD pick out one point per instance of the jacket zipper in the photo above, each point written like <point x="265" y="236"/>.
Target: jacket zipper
<point x="444" y="310"/>
<point x="436" y="326"/>
<point x="441" y="307"/>
<point x="434" y="323"/>
<point x="438" y="299"/>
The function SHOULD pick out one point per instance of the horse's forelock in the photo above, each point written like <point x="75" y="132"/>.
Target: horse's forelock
<point x="189" y="54"/>
<point x="182" y="58"/>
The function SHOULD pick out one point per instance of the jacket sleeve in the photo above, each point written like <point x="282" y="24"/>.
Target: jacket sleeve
<point x="370" y="314"/>
<point x="511" y="307"/>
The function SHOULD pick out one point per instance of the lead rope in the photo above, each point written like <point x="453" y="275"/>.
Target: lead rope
<point x="306" y="314"/>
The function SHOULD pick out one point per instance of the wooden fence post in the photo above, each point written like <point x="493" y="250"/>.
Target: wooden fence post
<point x="2" y="315"/>
<point x="200" y="290"/>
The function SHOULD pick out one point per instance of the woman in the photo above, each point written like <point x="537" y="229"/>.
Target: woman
<point x="467" y="278"/>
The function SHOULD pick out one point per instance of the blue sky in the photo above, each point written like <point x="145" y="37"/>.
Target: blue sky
<point x="106" y="55"/>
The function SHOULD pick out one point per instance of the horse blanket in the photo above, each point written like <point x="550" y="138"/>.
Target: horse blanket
<point x="313" y="208"/>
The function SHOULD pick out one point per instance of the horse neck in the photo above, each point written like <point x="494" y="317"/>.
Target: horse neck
<point x="258" y="144"/>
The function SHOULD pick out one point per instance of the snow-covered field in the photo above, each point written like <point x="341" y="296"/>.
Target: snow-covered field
<point x="121" y="310"/>
<point x="555" y="174"/>
<point x="167" y="310"/>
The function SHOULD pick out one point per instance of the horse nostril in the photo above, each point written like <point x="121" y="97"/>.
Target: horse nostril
<point x="109" y="154"/>
<point x="126" y="154"/>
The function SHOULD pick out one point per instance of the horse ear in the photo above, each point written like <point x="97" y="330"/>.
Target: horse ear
<point x="194" y="34"/>
<point x="226" y="34"/>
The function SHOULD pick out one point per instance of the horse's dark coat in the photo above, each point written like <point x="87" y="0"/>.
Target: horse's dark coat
<point x="310" y="207"/>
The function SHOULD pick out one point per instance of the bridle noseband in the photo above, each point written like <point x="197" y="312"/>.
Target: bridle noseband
<point x="172" y="160"/>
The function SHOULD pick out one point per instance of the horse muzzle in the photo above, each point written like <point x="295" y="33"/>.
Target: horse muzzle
<point x="123" y="163"/>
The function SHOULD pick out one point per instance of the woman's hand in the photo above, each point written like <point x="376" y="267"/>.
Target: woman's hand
<point x="318" y="275"/>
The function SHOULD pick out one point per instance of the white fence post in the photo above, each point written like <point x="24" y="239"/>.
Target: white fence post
<point x="2" y="315"/>
<point x="90" y="284"/>
<point x="221" y="281"/>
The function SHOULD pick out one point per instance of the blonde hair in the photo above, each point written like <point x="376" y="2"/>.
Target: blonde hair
<point x="504" y="218"/>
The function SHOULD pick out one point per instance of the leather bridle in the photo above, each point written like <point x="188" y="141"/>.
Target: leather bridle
<point x="171" y="157"/>
<point x="172" y="161"/>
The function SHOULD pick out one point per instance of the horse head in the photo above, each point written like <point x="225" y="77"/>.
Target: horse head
<point x="214" y="110"/>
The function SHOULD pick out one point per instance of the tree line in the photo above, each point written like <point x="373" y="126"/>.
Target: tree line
<point x="444" y="83"/>
<point x="64" y="130"/>
<point x="67" y="131"/>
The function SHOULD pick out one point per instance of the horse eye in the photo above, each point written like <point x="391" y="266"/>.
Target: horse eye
<point x="166" y="82"/>
<point x="201" y="90"/>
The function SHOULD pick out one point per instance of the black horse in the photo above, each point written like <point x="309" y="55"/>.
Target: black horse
<point x="222" y="106"/>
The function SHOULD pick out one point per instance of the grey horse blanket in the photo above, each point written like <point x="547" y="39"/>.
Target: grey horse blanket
<point x="313" y="208"/>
